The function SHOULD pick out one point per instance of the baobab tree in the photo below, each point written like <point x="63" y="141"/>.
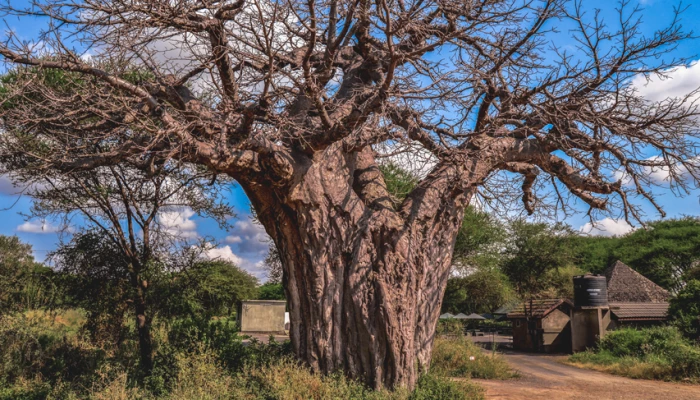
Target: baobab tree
<point x="293" y="99"/>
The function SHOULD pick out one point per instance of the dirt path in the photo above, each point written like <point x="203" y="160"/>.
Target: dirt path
<point x="545" y="378"/>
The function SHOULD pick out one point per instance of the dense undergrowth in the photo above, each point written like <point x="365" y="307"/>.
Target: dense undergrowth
<point x="654" y="353"/>
<point x="48" y="355"/>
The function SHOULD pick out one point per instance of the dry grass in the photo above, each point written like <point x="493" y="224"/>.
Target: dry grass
<point x="460" y="358"/>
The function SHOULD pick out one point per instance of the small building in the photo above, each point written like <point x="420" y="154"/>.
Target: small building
<point x="634" y="299"/>
<point x="542" y="325"/>
<point x="262" y="316"/>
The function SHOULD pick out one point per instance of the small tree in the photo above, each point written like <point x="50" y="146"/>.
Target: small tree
<point x="123" y="205"/>
<point x="206" y="289"/>
<point x="534" y="255"/>
<point x="482" y="291"/>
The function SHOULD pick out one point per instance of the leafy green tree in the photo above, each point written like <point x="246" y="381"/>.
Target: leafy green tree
<point x="684" y="310"/>
<point x="534" y="256"/>
<point x="479" y="240"/>
<point x="482" y="291"/>
<point x="663" y="252"/>
<point x="24" y="283"/>
<point x="208" y="288"/>
<point x="97" y="278"/>
<point x="667" y="251"/>
<point x="271" y="291"/>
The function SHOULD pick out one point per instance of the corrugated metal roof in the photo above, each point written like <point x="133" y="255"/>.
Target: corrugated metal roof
<point x="537" y="308"/>
<point x="639" y="311"/>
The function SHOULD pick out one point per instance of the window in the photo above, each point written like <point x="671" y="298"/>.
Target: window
<point x="517" y="322"/>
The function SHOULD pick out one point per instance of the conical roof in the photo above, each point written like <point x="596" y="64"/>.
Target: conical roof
<point x="626" y="285"/>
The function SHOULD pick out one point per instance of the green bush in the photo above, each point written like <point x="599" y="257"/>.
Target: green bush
<point x="431" y="386"/>
<point x="684" y="310"/>
<point x="460" y="358"/>
<point x="450" y="327"/>
<point x="652" y="353"/>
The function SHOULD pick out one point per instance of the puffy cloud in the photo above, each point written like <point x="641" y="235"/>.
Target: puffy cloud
<point x="253" y="266"/>
<point x="36" y="226"/>
<point x="178" y="223"/>
<point x="607" y="227"/>
<point x="678" y="82"/>
<point x="249" y="238"/>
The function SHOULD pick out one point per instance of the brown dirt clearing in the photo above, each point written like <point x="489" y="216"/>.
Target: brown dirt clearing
<point x="543" y="377"/>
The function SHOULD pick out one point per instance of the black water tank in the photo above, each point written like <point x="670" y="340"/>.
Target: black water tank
<point x="590" y="291"/>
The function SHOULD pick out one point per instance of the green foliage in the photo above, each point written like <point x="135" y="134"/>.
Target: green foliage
<point x="684" y="310"/>
<point x="453" y="358"/>
<point x="46" y="356"/>
<point x="652" y="353"/>
<point x="399" y="182"/>
<point x="95" y="277"/>
<point x="271" y="291"/>
<point x="482" y="291"/>
<point x="49" y="345"/>
<point x="479" y="240"/>
<point x="663" y="252"/>
<point x="205" y="290"/>
<point x="24" y="283"/>
<point x="450" y="327"/>
<point x="432" y="386"/>
<point x="534" y="253"/>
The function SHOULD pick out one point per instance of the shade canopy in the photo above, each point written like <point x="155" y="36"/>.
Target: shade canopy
<point x="446" y="316"/>
<point x="473" y="316"/>
<point x="461" y="316"/>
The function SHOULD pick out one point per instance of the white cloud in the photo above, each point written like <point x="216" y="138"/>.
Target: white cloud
<point x="223" y="253"/>
<point x="678" y="82"/>
<point x="607" y="227"/>
<point x="178" y="223"/>
<point x="255" y="268"/>
<point x="248" y="237"/>
<point x="37" y="226"/>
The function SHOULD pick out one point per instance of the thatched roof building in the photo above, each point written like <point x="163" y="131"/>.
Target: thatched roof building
<point x="626" y="285"/>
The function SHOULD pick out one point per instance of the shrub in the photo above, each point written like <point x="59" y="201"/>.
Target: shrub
<point x="431" y="386"/>
<point x="453" y="358"/>
<point x="684" y="310"/>
<point x="652" y="353"/>
<point x="450" y="327"/>
<point x="40" y="343"/>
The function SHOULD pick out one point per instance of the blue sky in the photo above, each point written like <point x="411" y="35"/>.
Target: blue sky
<point x="245" y="242"/>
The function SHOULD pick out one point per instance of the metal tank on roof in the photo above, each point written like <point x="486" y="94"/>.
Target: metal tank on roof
<point x="590" y="291"/>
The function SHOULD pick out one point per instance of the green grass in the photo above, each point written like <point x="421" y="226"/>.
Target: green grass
<point x="461" y="358"/>
<point x="659" y="353"/>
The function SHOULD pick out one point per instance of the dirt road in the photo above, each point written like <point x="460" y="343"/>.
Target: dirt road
<point x="545" y="378"/>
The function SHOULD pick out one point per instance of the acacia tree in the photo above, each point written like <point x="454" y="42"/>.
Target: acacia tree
<point x="292" y="99"/>
<point x="123" y="209"/>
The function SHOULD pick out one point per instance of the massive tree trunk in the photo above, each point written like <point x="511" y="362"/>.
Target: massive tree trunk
<point x="364" y="282"/>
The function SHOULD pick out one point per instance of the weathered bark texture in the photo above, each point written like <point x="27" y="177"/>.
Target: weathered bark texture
<point x="364" y="282"/>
